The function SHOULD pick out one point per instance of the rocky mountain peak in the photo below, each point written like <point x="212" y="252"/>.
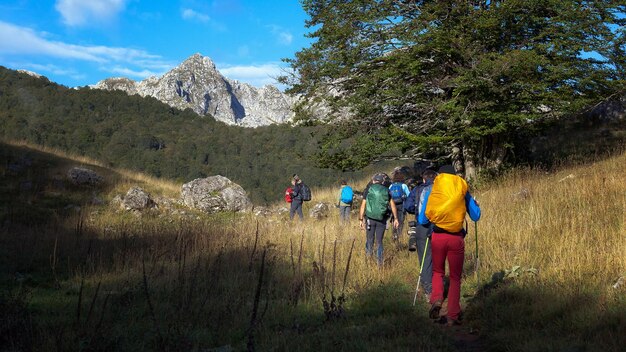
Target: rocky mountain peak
<point x="197" y="84"/>
<point x="197" y="60"/>
<point x="31" y="73"/>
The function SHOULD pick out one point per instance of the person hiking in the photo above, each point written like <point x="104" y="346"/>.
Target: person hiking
<point x="399" y="192"/>
<point x="423" y="234"/>
<point x="445" y="205"/>
<point x="296" y="197"/>
<point x="374" y="213"/>
<point x="346" y="195"/>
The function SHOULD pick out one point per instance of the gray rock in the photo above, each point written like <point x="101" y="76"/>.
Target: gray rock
<point x="405" y="172"/>
<point x="215" y="194"/>
<point x="198" y="85"/>
<point x="84" y="177"/>
<point x="164" y="203"/>
<point x="262" y="211"/>
<point x="320" y="211"/>
<point x="282" y="210"/>
<point x="116" y="202"/>
<point x="137" y="199"/>
<point x="20" y="165"/>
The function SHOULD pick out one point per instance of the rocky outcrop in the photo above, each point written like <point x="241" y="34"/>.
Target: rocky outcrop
<point x="198" y="85"/>
<point x="319" y="211"/>
<point x="84" y="177"/>
<point x="31" y="73"/>
<point x="215" y="194"/>
<point x="137" y="199"/>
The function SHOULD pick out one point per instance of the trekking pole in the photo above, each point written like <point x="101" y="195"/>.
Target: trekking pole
<point x="477" y="263"/>
<point x="421" y="268"/>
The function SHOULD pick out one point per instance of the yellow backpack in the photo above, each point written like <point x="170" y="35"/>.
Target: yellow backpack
<point x="446" y="203"/>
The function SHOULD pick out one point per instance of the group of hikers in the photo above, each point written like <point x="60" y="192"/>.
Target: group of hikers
<point x="439" y="202"/>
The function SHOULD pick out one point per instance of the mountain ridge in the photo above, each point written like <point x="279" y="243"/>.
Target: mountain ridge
<point x="197" y="84"/>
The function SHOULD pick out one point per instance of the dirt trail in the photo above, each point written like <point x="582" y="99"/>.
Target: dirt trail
<point x="465" y="339"/>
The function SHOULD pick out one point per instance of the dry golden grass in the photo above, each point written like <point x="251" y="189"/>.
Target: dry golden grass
<point x="568" y="224"/>
<point x="121" y="179"/>
<point x="202" y="271"/>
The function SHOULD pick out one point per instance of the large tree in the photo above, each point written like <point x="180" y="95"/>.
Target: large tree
<point x="460" y="75"/>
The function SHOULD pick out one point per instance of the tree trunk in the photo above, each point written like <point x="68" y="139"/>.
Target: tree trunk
<point x="469" y="163"/>
<point x="457" y="159"/>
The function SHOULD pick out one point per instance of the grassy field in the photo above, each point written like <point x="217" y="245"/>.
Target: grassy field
<point x="75" y="275"/>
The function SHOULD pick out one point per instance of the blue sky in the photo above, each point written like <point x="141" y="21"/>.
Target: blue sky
<point x="79" y="42"/>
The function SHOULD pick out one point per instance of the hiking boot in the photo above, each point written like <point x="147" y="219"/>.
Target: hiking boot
<point x="452" y="322"/>
<point x="412" y="247"/>
<point x="433" y="313"/>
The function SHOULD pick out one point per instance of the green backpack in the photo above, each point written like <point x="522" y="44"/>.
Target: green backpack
<point x="377" y="202"/>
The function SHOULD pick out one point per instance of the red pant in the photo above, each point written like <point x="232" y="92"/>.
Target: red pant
<point x="451" y="247"/>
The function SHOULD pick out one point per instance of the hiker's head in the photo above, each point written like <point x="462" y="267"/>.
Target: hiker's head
<point x="378" y="178"/>
<point x="343" y="182"/>
<point x="295" y="179"/>
<point x="398" y="177"/>
<point x="447" y="169"/>
<point x="429" y="175"/>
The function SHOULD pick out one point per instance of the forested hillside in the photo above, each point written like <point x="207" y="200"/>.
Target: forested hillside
<point x="146" y="135"/>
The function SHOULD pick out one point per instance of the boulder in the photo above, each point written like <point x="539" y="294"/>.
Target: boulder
<point x="215" y="194"/>
<point x="320" y="211"/>
<point x="262" y="211"/>
<point x="84" y="177"/>
<point x="19" y="165"/>
<point x="116" y="202"/>
<point x="137" y="199"/>
<point x="164" y="203"/>
<point x="405" y="172"/>
<point x="421" y="165"/>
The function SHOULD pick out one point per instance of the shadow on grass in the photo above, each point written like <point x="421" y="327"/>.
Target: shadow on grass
<point x="378" y="318"/>
<point x="34" y="187"/>
<point x="184" y="287"/>
<point x="145" y="284"/>
<point x="532" y="316"/>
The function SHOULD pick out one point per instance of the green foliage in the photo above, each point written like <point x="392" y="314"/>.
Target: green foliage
<point x="472" y="74"/>
<point x="146" y="135"/>
<point x="349" y="147"/>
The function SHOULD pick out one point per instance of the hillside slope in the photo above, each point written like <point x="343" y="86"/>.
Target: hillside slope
<point x="148" y="136"/>
<point x="551" y="249"/>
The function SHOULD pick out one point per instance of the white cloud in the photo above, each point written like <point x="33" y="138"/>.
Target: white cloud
<point x="16" y="40"/>
<point x="21" y="40"/>
<point x="283" y="36"/>
<point x="81" y="12"/>
<point x="193" y="15"/>
<point x="256" y="75"/>
<point x="125" y="71"/>
<point x="189" y="14"/>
